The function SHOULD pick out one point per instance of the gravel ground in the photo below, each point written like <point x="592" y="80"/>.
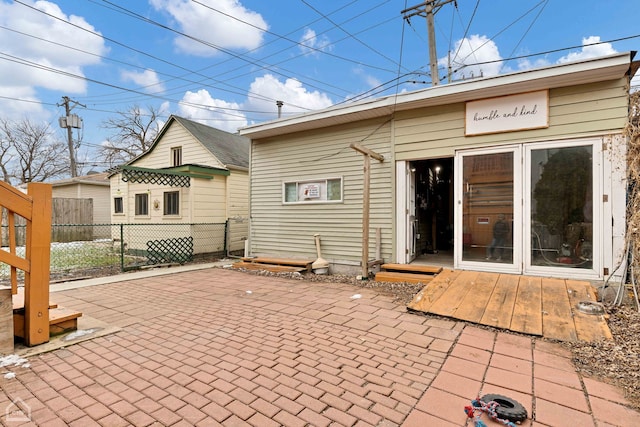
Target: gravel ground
<point x="616" y="361"/>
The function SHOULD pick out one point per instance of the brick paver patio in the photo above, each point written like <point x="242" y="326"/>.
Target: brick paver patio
<point x="219" y="347"/>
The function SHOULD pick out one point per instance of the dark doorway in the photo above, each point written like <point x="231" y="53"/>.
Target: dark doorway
<point x="434" y="210"/>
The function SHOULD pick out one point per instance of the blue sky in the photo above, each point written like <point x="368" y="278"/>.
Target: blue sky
<point x="226" y="62"/>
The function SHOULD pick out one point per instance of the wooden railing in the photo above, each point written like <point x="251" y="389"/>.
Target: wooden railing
<point x="35" y="208"/>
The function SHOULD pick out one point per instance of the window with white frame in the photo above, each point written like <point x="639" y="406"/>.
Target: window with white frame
<point x="176" y="156"/>
<point x="326" y="190"/>
<point x="142" y="204"/>
<point x="118" y="205"/>
<point x="172" y="203"/>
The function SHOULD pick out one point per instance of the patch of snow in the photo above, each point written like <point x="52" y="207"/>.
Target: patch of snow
<point x="9" y="375"/>
<point x="12" y="360"/>
<point x="79" y="334"/>
<point x="356" y="296"/>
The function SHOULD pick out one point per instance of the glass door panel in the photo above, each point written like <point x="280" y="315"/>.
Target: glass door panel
<point x="561" y="210"/>
<point x="487" y="196"/>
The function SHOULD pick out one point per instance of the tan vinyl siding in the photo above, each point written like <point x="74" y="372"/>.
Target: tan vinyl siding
<point x="67" y="192"/>
<point x="210" y="203"/>
<point x="288" y="229"/>
<point x="176" y="136"/>
<point x="238" y="208"/>
<point x="118" y="188"/>
<point x="99" y="194"/>
<point x="238" y="194"/>
<point x="583" y="110"/>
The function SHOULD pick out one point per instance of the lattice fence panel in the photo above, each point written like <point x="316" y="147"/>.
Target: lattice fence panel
<point x="147" y="177"/>
<point x="166" y="251"/>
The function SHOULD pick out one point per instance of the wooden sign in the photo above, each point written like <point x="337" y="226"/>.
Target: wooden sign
<point x="507" y="113"/>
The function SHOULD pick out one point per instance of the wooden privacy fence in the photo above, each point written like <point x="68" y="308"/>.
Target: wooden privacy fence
<point x="35" y="208"/>
<point x="63" y="211"/>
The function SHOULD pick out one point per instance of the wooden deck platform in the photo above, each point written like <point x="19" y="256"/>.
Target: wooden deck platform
<point x="531" y="305"/>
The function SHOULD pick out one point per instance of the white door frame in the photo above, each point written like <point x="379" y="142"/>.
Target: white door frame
<point x="597" y="223"/>
<point x="458" y="261"/>
<point x="522" y="235"/>
<point x="411" y="213"/>
<point x="401" y="255"/>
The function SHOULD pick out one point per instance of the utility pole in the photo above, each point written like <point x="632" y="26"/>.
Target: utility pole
<point x="70" y="121"/>
<point x="428" y="9"/>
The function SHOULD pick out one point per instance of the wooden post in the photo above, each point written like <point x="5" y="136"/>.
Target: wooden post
<point x="36" y="281"/>
<point x="365" y="203"/>
<point x="6" y="322"/>
<point x="365" y="216"/>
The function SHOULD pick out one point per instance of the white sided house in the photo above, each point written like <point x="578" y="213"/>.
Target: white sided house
<point x="94" y="186"/>
<point x="432" y="171"/>
<point x="192" y="177"/>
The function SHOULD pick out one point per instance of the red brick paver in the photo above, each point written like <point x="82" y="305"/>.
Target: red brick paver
<point x="221" y="347"/>
<point x="215" y="347"/>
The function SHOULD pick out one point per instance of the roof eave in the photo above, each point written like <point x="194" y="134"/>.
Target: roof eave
<point x="575" y="73"/>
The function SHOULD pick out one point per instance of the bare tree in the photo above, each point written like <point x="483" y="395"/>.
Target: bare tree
<point x="32" y="154"/>
<point x="135" y="130"/>
<point x="6" y="156"/>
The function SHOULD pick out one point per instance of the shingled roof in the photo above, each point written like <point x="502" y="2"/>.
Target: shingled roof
<point x="230" y="149"/>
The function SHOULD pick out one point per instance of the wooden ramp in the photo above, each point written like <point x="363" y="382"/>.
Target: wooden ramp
<point x="532" y="305"/>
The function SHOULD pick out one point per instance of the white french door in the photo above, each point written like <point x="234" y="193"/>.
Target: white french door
<point x="412" y="232"/>
<point x="530" y="208"/>
<point x="488" y="213"/>
<point x="562" y="215"/>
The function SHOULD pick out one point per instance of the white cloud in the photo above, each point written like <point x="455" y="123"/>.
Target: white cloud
<point x="527" y="64"/>
<point x="310" y="43"/>
<point x="33" y="59"/>
<point x="296" y="98"/>
<point x="201" y="107"/>
<point x="591" y="48"/>
<point x="148" y="80"/>
<point x="474" y="56"/>
<point x="213" y="25"/>
<point x="29" y="106"/>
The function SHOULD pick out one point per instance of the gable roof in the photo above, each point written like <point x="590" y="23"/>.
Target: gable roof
<point x="568" y="74"/>
<point x="230" y="149"/>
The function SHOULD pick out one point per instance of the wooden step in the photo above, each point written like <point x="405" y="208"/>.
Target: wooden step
<point x="60" y="320"/>
<point x="411" y="268"/>
<point x="300" y="263"/>
<point x="393" y="276"/>
<point x="18" y="302"/>
<point x="268" y="267"/>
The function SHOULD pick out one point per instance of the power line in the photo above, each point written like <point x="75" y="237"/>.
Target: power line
<point x="147" y="54"/>
<point x="257" y="63"/>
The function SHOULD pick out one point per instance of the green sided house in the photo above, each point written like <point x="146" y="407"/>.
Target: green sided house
<point x="431" y="172"/>
<point x="190" y="183"/>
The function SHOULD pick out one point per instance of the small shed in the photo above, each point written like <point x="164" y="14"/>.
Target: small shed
<point x="542" y="150"/>
<point x="192" y="174"/>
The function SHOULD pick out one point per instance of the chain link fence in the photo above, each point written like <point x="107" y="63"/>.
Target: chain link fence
<point x="92" y="250"/>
